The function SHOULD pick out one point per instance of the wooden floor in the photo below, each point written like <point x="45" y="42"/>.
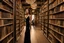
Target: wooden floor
<point x="36" y="35"/>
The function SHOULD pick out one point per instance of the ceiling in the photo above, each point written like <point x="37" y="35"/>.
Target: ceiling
<point x="39" y="3"/>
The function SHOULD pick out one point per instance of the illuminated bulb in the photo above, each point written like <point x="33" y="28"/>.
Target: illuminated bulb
<point x="34" y="6"/>
<point x="30" y="1"/>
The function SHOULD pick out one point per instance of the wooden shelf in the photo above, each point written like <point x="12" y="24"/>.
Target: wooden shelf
<point x="11" y="1"/>
<point x="5" y="10"/>
<point x="57" y="32"/>
<point x="7" y="4"/>
<point x="56" y="5"/>
<point x="6" y="18"/>
<point x="57" y="19"/>
<point x="53" y="20"/>
<point x="52" y="2"/>
<point x="18" y="38"/>
<point x="6" y="25"/>
<point x="50" y="40"/>
<point x="6" y="36"/>
<point x="57" y="13"/>
<point x="10" y="40"/>
<point x="56" y="25"/>
<point x="57" y="38"/>
<point x="17" y="28"/>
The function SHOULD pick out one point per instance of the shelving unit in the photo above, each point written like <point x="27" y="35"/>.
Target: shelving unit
<point x="19" y="18"/>
<point x="7" y="19"/>
<point x="6" y="22"/>
<point x="54" y="29"/>
<point x="44" y="12"/>
<point x="39" y="19"/>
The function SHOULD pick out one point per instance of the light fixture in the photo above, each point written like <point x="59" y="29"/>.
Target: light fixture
<point x="34" y="6"/>
<point x="30" y="1"/>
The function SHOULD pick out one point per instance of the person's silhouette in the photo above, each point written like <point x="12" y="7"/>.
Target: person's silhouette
<point x="27" y="33"/>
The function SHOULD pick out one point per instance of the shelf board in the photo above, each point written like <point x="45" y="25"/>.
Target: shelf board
<point x="52" y="2"/>
<point x="10" y="40"/>
<point x="44" y="8"/>
<point x="45" y="31"/>
<point x="51" y="36"/>
<point x="18" y="38"/>
<point x="11" y="1"/>
<point x="6" y="18"/>
<point x="57" y="5"/>
<point x="57" y="38"/>
<point x="21" y="29"/>
<point x="17" y="32"/>
<point x="50" y="40"/>
<point x="6" y="25"/>
<point x="5" y="10"/>
<point x="44" y="11"/>
<point x="57" y="19"/>
<point x="18" y="11"/>
<point x="57" y="13"/>
<point x="17" y="28"/>
<point x="57" y="32"/>
<point x="6" y="36"/>
<point x="56" y="25"/>
<point x="7" y="4"/>
<point x="45" y="35"/>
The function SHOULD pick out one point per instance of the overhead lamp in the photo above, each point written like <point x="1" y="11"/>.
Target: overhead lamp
<point x="34" y="6"/>
<point x="30" y="1"/>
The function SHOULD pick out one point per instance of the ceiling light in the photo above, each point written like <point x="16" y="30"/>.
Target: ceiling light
<point x="34" y="6"/>
<point x="30" y="1"/>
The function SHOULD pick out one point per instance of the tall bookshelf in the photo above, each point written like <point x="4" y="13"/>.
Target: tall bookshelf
<point x="55" y="27"/>
<point x="19" y="19"/>
<point x="44" y="14"/>
<point x="7" y="19"/>
<point x="39" y="19"/>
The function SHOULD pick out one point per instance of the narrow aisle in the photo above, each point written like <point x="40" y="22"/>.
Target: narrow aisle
<point x="37" y="35"/>
<point x="21" y="39"/>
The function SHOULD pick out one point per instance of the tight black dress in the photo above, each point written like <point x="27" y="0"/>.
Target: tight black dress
<point x="27" y="33"/>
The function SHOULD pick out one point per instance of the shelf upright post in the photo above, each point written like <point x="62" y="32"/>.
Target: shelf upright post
<point x="19" y="26"/>
<point x="14" y="19"/>
<point x="41" y="22"/>
<point x="48" y="19"/>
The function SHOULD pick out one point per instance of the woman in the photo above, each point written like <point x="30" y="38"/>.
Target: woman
<point x="27" y="33"/>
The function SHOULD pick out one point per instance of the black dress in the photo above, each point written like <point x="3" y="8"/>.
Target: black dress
<point x="27" y="33"/>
